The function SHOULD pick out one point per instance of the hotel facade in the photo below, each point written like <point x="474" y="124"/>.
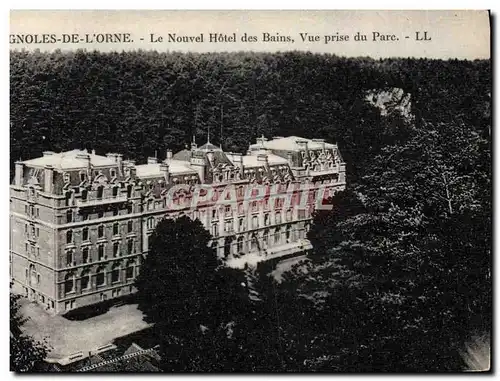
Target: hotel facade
<point x="81" y="223"/>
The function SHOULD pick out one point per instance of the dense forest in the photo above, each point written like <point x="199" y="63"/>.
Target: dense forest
<point x="400" y="275"/>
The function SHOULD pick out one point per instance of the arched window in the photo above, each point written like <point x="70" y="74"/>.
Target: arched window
<point x="100" y="252"/>
<point x="85" y="279"/>
<point x="85" y="234"/>
<point x="265" y="237"/>
<point x="277" y="218"/>
<point x="68" y="198"/>
<point x="69" y="236"/>
<point x="101" y="276"/>
<point x="239" y="244"/>
<point x="85" y="255"/>
<point x="69" y="283"/>
<point x="69" y="258"/>
<point x="277" y="234"/>
<point x="288" y="232"/>
<point x="32" y="275"/>
<point x="228" y="241"/>
<point x="115" y="273"/>
<point x="129" y="272"/>
<point x="100" y="231"/>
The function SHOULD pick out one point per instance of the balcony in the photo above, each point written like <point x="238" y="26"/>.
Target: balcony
<point x="90" y="203"/>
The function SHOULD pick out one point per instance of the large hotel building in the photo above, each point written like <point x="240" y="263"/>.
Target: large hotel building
<point x="81" y="222"/>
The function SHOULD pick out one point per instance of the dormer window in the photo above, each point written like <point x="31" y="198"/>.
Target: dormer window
<point x="83" y="177"/>
<point x="100" y="191"/>
<point x="113" y="173"/>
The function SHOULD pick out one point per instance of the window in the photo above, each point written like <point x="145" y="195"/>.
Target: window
<point x="129" y="191"/>
<point x="85" y="255"/>
<point x="83" y="176"/>
<point x="239" y="244"/>
<point x="130" y="246"/>
<point x="265" y="237"/>
<point x="85" y="234"/>
<point x="115" y="274"/>
<point x="214" y="213"/>
<point x="215" y="230"/>
<point x="69" y="283"/>
<point x="115" y="191"/>
<point x="150" y="242"/>
<point x="101" y="276"/>
<point x="266" y="219"/>
<point x="151" y="222"/>
<point x="116" y="228"/>
<point x="228" y="226"/>
<point x="67" y="200"/>
<point x="289" y="215"/>
<point x="69" y="236"/>
<point x="129" y="209"/>
<point x="150" y="204"/>
<point x="100" y="214"/>
<point x="241" y="224"/>
<point x="69" y="216"/>
<point x="84" y="194"/>
<point x="130" y="226"/>
<point x="277" y="218"/>
<point x="100" y="231"/>
<point x="85" y="280"/>
<point x="115" y="211"/>
<point x="277" y="235"/>
<point x="288" y="232"/>
<point x="100" y="251"/>
<point x="255" y="206"/>
<point x="129" y="273"/>
<point x="228" y="210"/>
<point x="255" y="222"/>
<point x="100" y="191"/>
<point x="116" y="249"/>
<point x="69" y="258"/>
<point x="113" y="173"/>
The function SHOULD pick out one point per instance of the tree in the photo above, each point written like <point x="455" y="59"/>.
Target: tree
<point x="193" y="303"/>
<point x="26" y="354"/>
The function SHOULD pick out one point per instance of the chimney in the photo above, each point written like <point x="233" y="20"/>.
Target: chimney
<point x="342" y="172"/>
<point x="164" y="169"/>
<point x="238" y="160"/>
<point x="152" y="160"/>
<point x="303" y="144"/>
<point x="49" y="179"/>
<point x="18" y="179"/>
<point x="169" y="154"/>
<point x="119" y="161"/>
<point x="93" y="151"/>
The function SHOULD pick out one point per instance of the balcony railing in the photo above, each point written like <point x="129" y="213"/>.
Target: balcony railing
<point x="100" y="201"/>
